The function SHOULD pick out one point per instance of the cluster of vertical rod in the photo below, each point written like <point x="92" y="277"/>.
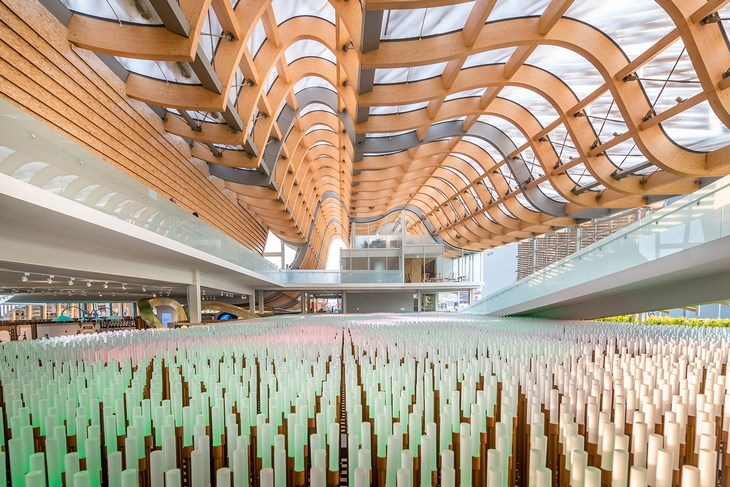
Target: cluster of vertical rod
<point x="401" y="400"/>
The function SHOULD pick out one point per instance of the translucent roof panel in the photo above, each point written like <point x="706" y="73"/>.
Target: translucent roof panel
<point x="486" y="147"/>
<point x="562" y="142"/>
<point x="509" y="129"/>
<point x="287" y="9"/>
<point x="538" y="106"/>
<point x="466" y="94"/>
<point x="319" y="126"/>
<point x="625" y="155"/>
<point x="510" y="10"/>
<point x="474" y="164"/>
<point x="405" y="75"/>
<point x="209" y="117"/>
<point x="605" y="117"/>
<point x="211" y="34"/>
<point x="270" y="79"/>
<point x="495" y="56"/>
<point x="580" y="175"/>
<point x="698" y="129"/>
<point x="422" y="22"/>
<point x="312" y="82"/>
<point x="137" y="12"/>
<point x="524" y="201"/>
<point x="450" y="166"/>
<point x="668" y="77"/>
<point x="391" y="110"/>
<point x="572" y="68"/>
<point x="632" y="24"/>
<point x="313" y="107"/>
<point x="170" y="71"/>
<point x="257" y="38"/>
<point x="308" y="48"/>
<point x="549" y="191"/>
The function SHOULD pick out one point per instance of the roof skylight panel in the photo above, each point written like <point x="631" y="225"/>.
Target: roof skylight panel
<point x="484" y="58"/>
<point x="474" y="164"/>
<point x="508" y="177"/>
<point x="570" y="67"/>
<point x="256" y="39"/>
<point x="507" y="127"/>
<point x="625" y="155"/>
<point x="313" y="107"/>
<point x="669" y="77"/>
<point x="308" y="48"/>
<point x="486" y="147"/>
<point x="632" y="24"/>
<point x="287" y="9"/>
<point x="387" y="134"/>
<point x="397" y="109"/>
<point x="319" y="126"/>
<point x="270" y="79"/>
<point x="477" y="92"/>
<point x="520" y="196"/>
<point x="138" y="12"/>
<point x="538" y="106"/>
<point x="312" y="82"/>
<point x="450" y="166"/>
<point x="386" y="76"/>
<point x="605" y="117"/>
<point x="549" y="191"/>
<point x="510" y="10"/>
<point x="697" y="129"/>
<point x="580" y="176"/>
<point x="170" y="71"/>
<point x="211" y="34"/>
<point x="423" y="22"/>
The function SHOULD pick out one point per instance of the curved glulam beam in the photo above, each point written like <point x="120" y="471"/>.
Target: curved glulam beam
<point x="154" y="43"/>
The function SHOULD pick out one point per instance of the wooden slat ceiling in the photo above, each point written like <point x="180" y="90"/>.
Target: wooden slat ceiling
<point x="488" y="121"/>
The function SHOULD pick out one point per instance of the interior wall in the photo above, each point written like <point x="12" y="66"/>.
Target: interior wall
<point x="73" y="92"/>
<point x="383" y="302"/>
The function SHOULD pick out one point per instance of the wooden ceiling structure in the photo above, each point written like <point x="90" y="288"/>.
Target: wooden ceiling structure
<point x="485" y="121"/>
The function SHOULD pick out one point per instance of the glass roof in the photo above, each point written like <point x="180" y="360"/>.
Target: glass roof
<point x="556" y="89"/>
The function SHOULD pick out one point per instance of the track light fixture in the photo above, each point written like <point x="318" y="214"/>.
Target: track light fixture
<point x="106" y="285"/>
<point x="50" y="280"/>
<point x="88" y="283"/>
<point x="24" y="277"/>
<point x="144" y="289"/>
<point x="71" y="281"/>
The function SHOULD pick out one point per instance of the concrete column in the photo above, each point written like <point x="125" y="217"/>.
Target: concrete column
<point x="252" y="302"/>
<point x="419" y="302"/>
<point x="344" y="302"/>
<point x="305" y="304"/>
<point x="194" y="304"/>
<point x="261" y="302"/>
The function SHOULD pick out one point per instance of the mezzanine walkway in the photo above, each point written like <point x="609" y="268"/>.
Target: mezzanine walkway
<point x="676" y="257"/>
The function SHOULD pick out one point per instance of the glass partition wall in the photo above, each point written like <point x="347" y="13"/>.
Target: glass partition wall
<point x="420" y="259"/>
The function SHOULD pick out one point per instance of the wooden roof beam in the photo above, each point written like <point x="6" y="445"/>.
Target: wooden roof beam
<point x="552" y="13"/>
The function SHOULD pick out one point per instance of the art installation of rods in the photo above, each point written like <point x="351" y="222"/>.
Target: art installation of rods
<point x="386" y="400"/>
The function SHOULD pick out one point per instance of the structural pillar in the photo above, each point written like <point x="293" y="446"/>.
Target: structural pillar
<point x="303" y="300"/>
<point x="194" y="304"/>
<point x="418" y="305"/>
<point x="261" y="302"/>
<point x="252" y="302"/>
